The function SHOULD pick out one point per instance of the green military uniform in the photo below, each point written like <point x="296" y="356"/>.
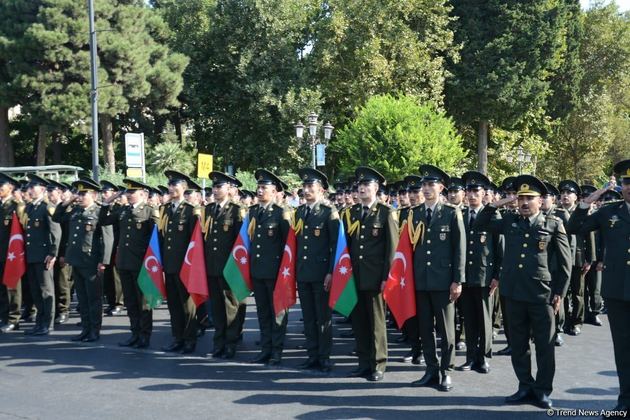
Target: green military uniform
<point x="528" y="287"/>
<point x="613" y="223"/>
<point x="177" y="225"/>
<point x="10" y="299"/>
<point x="63" y="278"/>
<point x="135" y="224"/>
<point x="42" y="240"/>
<point x="222" y="223"/>
<point x="112" y="284"/>
<point x="89" y="244"/>
<point x="317" y="230"/>
<point x="269" y="228"/>
<point x="372" y="235"/>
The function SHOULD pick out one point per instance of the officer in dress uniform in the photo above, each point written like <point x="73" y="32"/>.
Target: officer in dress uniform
<point x="483" y="261"/>
<point x="112" y="285"/>
<point x="439" y="269"/>
<point x="593" y="277"/>
<point x="42" y="244"/>
<point x="268" y="231"/>
<point x="532" y="295"/>
<point x="135" y="223"/>
<point x="10" y="299"/>
<point x="177" y="222"/>
<point x="613" y="222"/>
<point x="317" y="227"/>
<point x="222" y="222"/>
<point x="88" y="251"/>
<point x="372" y="234"/>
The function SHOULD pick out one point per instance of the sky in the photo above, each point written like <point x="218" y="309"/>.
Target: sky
<point x="623" y="4"/>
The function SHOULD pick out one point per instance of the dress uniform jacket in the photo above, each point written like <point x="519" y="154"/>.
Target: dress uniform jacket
<point x="221" y="231"/>
<point x="43" y="235"/>
<point x="316" y="242"/>
<point x="525" y="274"/>
<point x="372" y="243"/>
<point x="484" y="254"/>
<point x="177" y="228"/>
<point x="440" y="254"/>
<point x="270" y="228"/>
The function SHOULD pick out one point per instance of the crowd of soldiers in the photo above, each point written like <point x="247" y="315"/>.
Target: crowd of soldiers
<point x="536" y="258"/>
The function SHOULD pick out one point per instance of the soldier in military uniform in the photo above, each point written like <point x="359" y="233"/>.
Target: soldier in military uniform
<point x="483" y="261"/>
<point x="222" y="222"/>
<point x="268" y="230"/>
<point x="88" y="251"/>
<point x="112" y="285"/>
<point x="372" y="232"/>
<point x="593" y="277"/>
<point x="42" y="244"/>
<point x="10" y="299"/>
<point x="177" y="222"/>
<point x="439" y="271"/>
<point x="583" y="256"/>
<point x="613" y="222"/>
<point x="532" y="295"/>
<point x="135" y="223"/>
<point x="317" y="227"/>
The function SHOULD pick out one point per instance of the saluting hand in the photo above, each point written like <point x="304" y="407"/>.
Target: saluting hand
<point x="595" y="196"/>
<point x="502" y="202"/>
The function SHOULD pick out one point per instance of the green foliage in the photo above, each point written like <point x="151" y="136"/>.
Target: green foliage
<point x="171" y="155"/>
<point x="396" y="135"/>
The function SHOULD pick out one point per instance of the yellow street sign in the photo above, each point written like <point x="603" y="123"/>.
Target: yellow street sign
<point x="204" y="165"/>
<point x="134" y="172"/>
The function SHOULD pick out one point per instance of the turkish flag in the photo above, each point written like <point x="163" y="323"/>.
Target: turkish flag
<point x="284" y="295"/>
<point x="193" y="272"/>
<point x="400" y="289"/>
<point x="15" y="265"/>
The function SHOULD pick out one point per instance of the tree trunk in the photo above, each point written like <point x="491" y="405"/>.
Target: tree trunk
<point x="56" y="150"/>
<point x="482" y="147"/>
<point x="42" y="142"/>
<point x="108" y="142"/>
<point x="7" y="154"/>
<point x="177" y="121"/>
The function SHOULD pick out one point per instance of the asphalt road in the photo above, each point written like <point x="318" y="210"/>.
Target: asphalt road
<point x="54" y="378"/>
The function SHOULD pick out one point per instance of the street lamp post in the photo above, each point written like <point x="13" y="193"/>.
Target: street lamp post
<point x="522" y="158"/>
<point x="313" y="138"/>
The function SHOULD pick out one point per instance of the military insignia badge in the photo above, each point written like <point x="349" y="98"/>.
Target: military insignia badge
<point x="180" y="228"/>
<point x="6" y="222"/>
<point x="317" y="232"/>
<point x="442" y="236"/>
<point x="88" y="228"/>
<point x="269" y="232"/>
<point x="613" y="220"/>
<point x="138" y="225"/>
<point x="541" y="245"/>
<point x="226" y="227"/>
<point x="375" y="232"/>
<point x="482" y="239"/>
<point x="36" y="223"/>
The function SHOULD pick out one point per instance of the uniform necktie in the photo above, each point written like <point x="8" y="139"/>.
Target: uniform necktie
<point x="364" y="212"/>
<point x="217" y="209"/>
<point x="429" y="211"/>
<point x="473" y="216"/>
<point x="526" y="222"/>
<point x="307" y="212"/>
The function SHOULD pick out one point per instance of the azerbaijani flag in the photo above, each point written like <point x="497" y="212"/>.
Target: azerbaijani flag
<point x="151" y="277"/>
<point x="343" y="291"/>
<point x="236" y="270"/>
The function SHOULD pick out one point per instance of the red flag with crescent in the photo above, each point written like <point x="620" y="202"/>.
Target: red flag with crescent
<point x="193" y="272"/>
<point x="400" y="290"/>
<point x="15" y="265"/>
<point x="284" y="292"/>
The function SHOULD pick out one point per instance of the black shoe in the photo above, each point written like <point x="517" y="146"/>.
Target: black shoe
<point x="445" y="383"/>
<point x="79" y="324"/>
<point x="400" y="339"/>
<point x="142" y="343"/>
<point x="594" y="320"/>
<point x="230" y="352"/>
<point x="482" y="367"/>
<point x="505" y="352"/>
<point x="543" y="401"/>
<point x="174" y="347"/>
<point x="347" y="334"/>
<point x="575" y="330"/>
<point x="62" y="318"/>
<point x="218" y="353"/>
<point x="325" y="365"/>
<point x="519" y="397"/>
<point x="188" y="348"/>
<point x="275" y="359"/>
<point x="559" y="341"/>
<point x="130" y="341"/>
<point x="310" y="363"/>
<point x="201" y="332"/>
<point x="343" y="320"/>
<point x="9" y="327"/>
<point x="466" y="367"/>
<point x="417" y="360"/>
<point x="261" y="358"/>
<point x="377" y="376"/>
<point x="429" y="379"/>
<point x="81" y="336"/>
<point x="408" y="357"/>
<point x="30" y="331"/>
<point x="91" y="337"/>
<point x="360" y="373"/>
<point x="42" y="331"/>
<point x="460" y="346"/>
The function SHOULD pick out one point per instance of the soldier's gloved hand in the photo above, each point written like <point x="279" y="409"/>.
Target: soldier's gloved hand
<point x="595" y="196"/>
<point x="493" y="286"/>
<point x="455" y="292"/>
<point x="556" y="302"/>
<point x="504" y="201"/>
<point x="327" y="281"/>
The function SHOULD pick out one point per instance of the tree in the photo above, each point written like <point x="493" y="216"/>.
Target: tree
<point x="396" y="135"/>
<point x="511" y="48"/>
